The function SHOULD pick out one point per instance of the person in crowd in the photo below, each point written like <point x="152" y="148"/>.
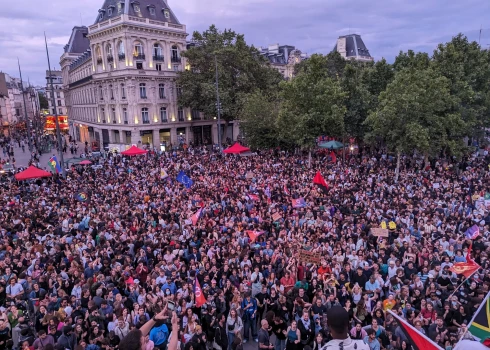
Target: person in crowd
<point x="249" y="239"/>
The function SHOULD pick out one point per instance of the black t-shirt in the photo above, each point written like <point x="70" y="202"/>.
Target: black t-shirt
<point x="319" y="310"/>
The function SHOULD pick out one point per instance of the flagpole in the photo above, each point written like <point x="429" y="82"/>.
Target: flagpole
<point x="58" y="132"/>
<point x="26" y="118"/>
<point x="456" y="289"/>
<point x="399" y="319"/>
<point x="484" y="301"/>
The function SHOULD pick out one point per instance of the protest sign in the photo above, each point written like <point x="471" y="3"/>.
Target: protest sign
<point x="276" y="216"/>
<point x="380" y="232"/>
<point x="310" y="257"/>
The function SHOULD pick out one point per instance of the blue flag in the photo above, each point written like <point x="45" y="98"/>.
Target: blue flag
<point x="184" y="179"/>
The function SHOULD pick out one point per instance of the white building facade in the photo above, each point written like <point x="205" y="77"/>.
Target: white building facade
<point x="57" y="91"/>
<point x="119" y="79"/>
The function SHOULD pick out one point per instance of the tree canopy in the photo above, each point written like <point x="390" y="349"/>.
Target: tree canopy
<point x="241" y="70"/>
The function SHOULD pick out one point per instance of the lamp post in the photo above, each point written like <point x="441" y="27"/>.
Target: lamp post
<point x="26" y="119"/>
<point x="58" y="132"/>
<point x="218" y="103"/>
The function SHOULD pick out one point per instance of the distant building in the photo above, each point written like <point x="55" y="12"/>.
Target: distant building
<point x="352" y="47"/>
<point x="12" y="111"/>
<point x="283" y="58"/>
<point x="59" y="95"/>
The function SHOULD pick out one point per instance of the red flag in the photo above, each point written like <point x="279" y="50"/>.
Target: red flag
<point x="320" y="182"/>
<point x="467" y="268"/>
<point x="418" y="340"/>
<point x="253" y="197"/>
<point x="200" y="300"/>
<point x="254" y="234"/>
<point x="333" y="156"/>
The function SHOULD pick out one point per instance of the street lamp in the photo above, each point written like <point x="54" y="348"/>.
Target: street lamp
<point x="218" y="103"/>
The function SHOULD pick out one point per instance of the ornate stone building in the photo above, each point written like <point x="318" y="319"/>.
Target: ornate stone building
<point x="283" y="58"/>
<point x="352" y="47"/>
<point x="59" y="95"/>
<point x="119" y="79"/>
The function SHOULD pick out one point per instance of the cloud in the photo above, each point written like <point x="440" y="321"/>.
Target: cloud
<point x="311" y="25"/>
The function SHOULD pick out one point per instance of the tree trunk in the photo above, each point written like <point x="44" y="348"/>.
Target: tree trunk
<point x="397" y="170"/>
<point x="309" y="158"/>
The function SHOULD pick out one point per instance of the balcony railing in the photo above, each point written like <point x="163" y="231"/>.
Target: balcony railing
<point x="110" y="59"/>
<point x="99" y="60"/>
<point x="139" y="56"/>
<point x="146" y="122"/>
<point x="122" y="56"/>
<point x="176" y="59"/>
<point x="164" y="120"/>
<point x="158" y="58"/>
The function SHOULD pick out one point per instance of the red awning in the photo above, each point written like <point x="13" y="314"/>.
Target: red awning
<point x="236" y="149"/>
<point x="32" y="173"/>
<point x="134" y="151"/>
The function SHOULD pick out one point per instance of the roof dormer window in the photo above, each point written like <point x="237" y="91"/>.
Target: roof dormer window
<point x="151" y="9"/>
<point x="120" y="6"/>
<point x="136" y="7"/>
<point x="109" y="11"/>
<point x="166" y="13"/>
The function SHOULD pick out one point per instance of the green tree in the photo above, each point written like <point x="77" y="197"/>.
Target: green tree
<point x="313" y="104"/>
<point x="410" y="59"/>
<point x="241" y="70"/>
<point x="258" y="119"/>
<point x="43" y="101"/>
<point x="359" y="101"/>
<point x="468" y="69"/>
<point x="415" y="113"/>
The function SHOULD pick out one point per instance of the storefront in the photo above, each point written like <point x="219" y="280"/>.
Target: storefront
<point x="181" y="136"/>
<point x="202" y="135"/>
<point x="164" y="139"/>
<point x="50" y="124"/>
<point x="147" y="137"/>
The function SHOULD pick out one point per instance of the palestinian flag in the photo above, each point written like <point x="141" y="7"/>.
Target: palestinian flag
<point x="479" y="326"/>
<point x="416" y="339"/>
<point x="320" y="182"/>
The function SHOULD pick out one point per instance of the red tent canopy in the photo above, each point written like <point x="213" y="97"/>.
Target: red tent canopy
<point x="134" y="151"/>
<point x="32" y="173"/>
<point x="236" y="149"/>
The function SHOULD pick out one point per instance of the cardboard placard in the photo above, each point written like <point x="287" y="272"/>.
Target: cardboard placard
<point x="380" y="232"/>
<point x="276" y="216"/>
<point x="310" y="257"/>
<point x="249" y="175"/>
<point x="436" y="185"/>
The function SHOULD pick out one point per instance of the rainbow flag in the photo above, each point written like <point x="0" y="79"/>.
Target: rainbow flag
<point x="54" y="164"/>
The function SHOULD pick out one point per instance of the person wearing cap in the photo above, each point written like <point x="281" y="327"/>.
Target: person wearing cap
<point x="338" y="323"/>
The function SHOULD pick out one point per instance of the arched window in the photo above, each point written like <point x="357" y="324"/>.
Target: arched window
<point x="142" y="90"/>
<point x="175" y="54"/>
<point x="98" y="54"/>
<point x="138" y="50"/>
<point x="109" y="54"/>
<point x="163" y="114"/>
<point x="161" y="90"/>
<point x="120" y="51"/>
<point x="157" y="52"/>
<point x="144" y="116"/>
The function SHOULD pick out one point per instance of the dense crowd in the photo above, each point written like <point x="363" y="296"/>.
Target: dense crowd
<point x="84" y="274"/>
